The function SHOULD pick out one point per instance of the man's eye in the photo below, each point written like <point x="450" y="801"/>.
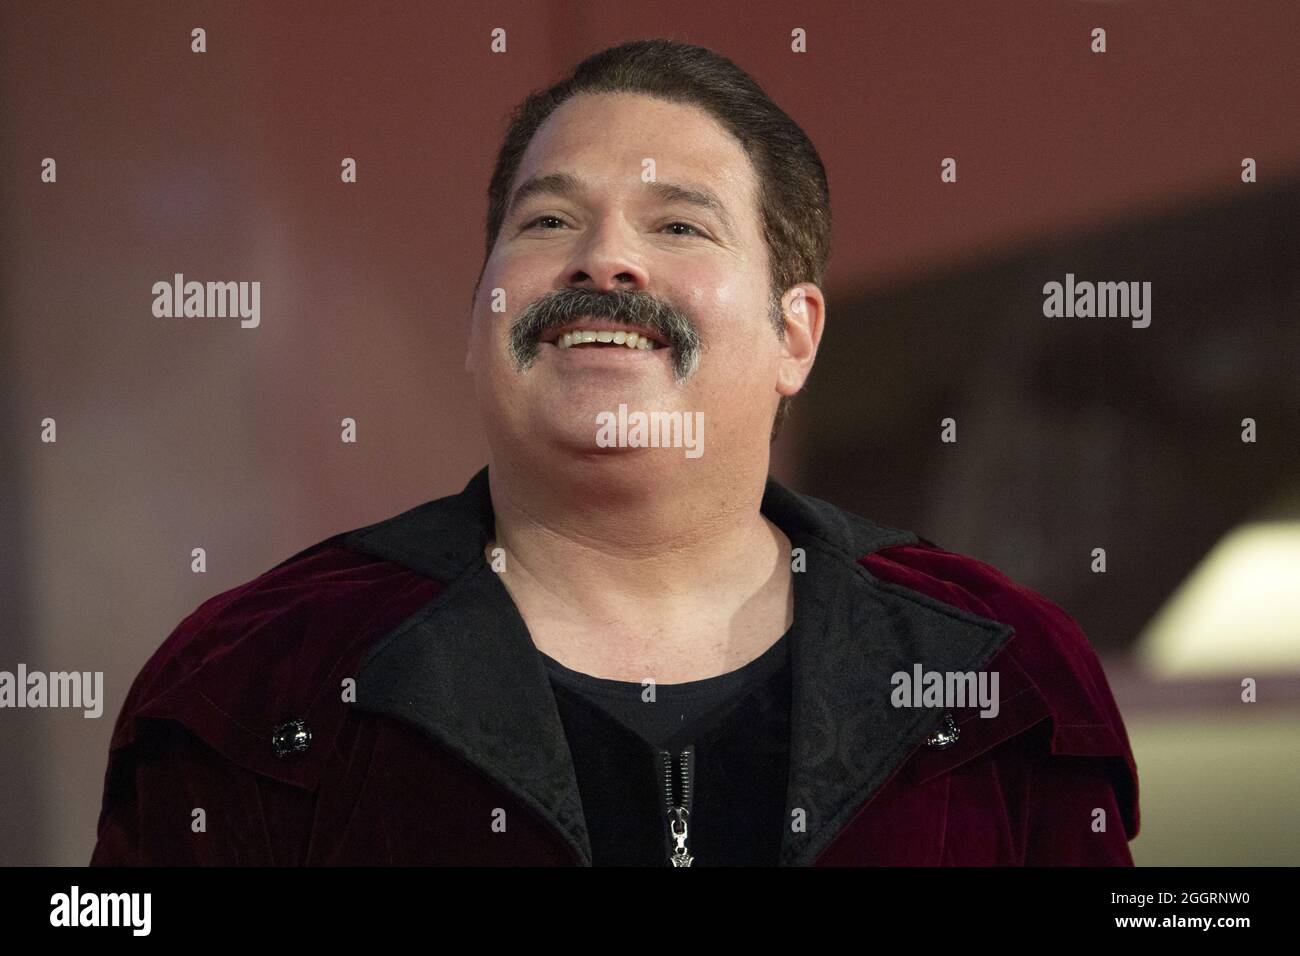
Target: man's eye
<point x="542" y="219"/>
<point x="693" y="230"/>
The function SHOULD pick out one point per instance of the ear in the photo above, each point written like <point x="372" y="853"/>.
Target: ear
<point x="803" y="309"/>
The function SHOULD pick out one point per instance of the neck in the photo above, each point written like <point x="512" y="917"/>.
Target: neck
<point x="634" y="549"/>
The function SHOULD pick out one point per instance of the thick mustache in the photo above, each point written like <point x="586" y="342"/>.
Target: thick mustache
<point x="555" y="309"/>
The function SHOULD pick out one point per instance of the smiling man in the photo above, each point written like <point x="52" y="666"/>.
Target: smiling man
<point x="611" y="653"/>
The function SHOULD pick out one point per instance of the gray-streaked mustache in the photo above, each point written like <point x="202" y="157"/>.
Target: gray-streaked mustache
<point x="560" y="308"/>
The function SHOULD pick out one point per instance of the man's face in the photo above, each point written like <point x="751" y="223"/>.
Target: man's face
<point x="627" y="212"/>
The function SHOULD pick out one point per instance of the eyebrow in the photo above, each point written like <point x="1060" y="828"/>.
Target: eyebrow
<point x="569" y="186"/>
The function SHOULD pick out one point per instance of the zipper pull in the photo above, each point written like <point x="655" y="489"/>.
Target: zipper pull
<point x="680" y="857"/>
<point x="678" y="813"/>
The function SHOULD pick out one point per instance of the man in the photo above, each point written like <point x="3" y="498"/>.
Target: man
<point x="610" y="650"/>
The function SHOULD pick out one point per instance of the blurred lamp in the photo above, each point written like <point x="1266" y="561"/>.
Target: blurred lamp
<point x="1237" y="613"/>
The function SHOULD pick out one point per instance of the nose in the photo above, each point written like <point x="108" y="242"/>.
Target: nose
<point x="604" y="262"/>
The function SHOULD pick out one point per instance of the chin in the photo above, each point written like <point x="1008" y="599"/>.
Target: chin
<point x="572" y="434"/>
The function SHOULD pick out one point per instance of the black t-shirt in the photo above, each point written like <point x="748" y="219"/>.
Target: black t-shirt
<point x="720" y="746"/>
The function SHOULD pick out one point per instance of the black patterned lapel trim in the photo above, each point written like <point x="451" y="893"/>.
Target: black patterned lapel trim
<point x="464" y="669"/>
<point x="852" y="632"/>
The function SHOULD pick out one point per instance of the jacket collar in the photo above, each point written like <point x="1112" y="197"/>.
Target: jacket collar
<point x="464" y="668"/>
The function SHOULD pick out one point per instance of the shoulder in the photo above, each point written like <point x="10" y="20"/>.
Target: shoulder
<point x="1048" y="662"/>
<point x="275" y="650"/>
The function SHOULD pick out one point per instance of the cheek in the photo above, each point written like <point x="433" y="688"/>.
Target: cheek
<point x="721" y="296"/>
<point x="501" y="297"/>
<point x="735" y="323"/>
<point x="508" y="285"/>
<point x="524" y="270"/>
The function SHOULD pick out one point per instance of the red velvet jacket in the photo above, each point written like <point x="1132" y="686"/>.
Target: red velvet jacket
<point x="375" y="698"/>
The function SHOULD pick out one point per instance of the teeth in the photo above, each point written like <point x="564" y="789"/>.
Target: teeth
<point x="631" y="340"/>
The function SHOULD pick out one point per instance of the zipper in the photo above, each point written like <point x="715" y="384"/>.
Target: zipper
<point x="677" y="801"/>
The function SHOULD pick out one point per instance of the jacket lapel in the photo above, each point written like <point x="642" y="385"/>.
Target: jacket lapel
<point x="465" y="671"/>
<point x="852" y="632"/>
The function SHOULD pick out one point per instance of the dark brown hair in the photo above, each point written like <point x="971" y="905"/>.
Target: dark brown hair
<point x="794" y="197"/>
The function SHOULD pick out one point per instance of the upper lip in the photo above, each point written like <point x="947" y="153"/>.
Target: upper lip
<point x="601" y="325"/>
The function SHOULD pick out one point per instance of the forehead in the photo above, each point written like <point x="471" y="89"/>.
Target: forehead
<point x="604" y="138"/>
